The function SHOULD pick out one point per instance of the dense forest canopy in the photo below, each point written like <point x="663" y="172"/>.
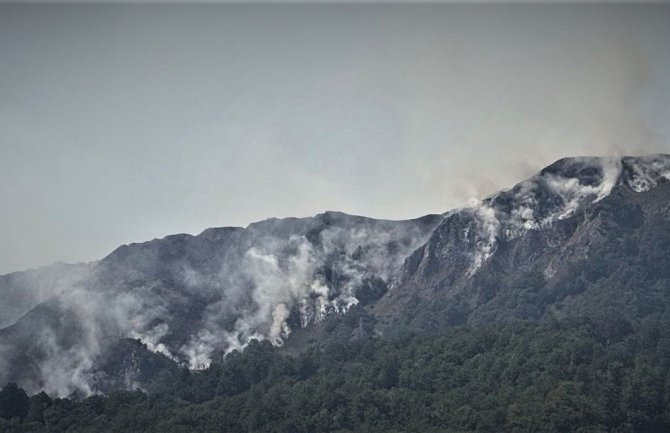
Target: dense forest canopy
<point x="597" y="375"/>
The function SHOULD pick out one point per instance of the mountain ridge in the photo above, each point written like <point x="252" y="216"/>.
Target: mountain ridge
<point x="545" y="247"/>
<point x="193" y="298"/>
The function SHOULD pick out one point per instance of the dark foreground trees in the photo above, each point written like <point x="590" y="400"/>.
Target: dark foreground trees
<point x="14" y="402"/>
<point x="570" y="376"/>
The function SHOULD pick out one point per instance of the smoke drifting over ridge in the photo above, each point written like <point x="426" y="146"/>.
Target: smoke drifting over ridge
<point x="194" y="298"/>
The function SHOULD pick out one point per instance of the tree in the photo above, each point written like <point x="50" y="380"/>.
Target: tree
<point x="14" y="402"/>
<point x="38" y="403"/>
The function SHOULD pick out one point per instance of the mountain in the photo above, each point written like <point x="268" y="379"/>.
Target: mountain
<point x="194" y="298"/>
<point x="22" y="291"/>
<point x="585" y="237"/>
<point x="582" y="236"/>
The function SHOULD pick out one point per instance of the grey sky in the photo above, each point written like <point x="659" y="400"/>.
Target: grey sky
<point x="122" y="123"/>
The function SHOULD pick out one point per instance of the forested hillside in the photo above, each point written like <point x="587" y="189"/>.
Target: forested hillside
<point x="605" y="374"/>
<point x="546" y="307"/>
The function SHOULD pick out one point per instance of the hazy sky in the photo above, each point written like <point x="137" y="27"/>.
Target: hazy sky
<point x="122" y="123"/>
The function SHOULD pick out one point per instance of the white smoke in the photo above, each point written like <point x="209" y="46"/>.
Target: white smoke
<point x="285" y="276"/>
<point x="487" y="228"/>
<point x="152" y="337"/>
<point x="66" y="370"/>
<point x="273" y="279"/>
<point x="573" y="192"/>
<point x="647" y="172"/>
<point x="277" y="284"/>
<point x="24" y="290"/>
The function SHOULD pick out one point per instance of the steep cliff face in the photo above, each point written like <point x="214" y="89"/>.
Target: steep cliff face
<point x="534" y="250"/>
<point x="585" y="236"/>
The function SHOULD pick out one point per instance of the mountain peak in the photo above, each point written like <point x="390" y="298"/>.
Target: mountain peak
<point x="560" y="189"/>
<point x="638" y="172"/>
<point x="558" y="192"/>
<point x="645" y="172"/>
